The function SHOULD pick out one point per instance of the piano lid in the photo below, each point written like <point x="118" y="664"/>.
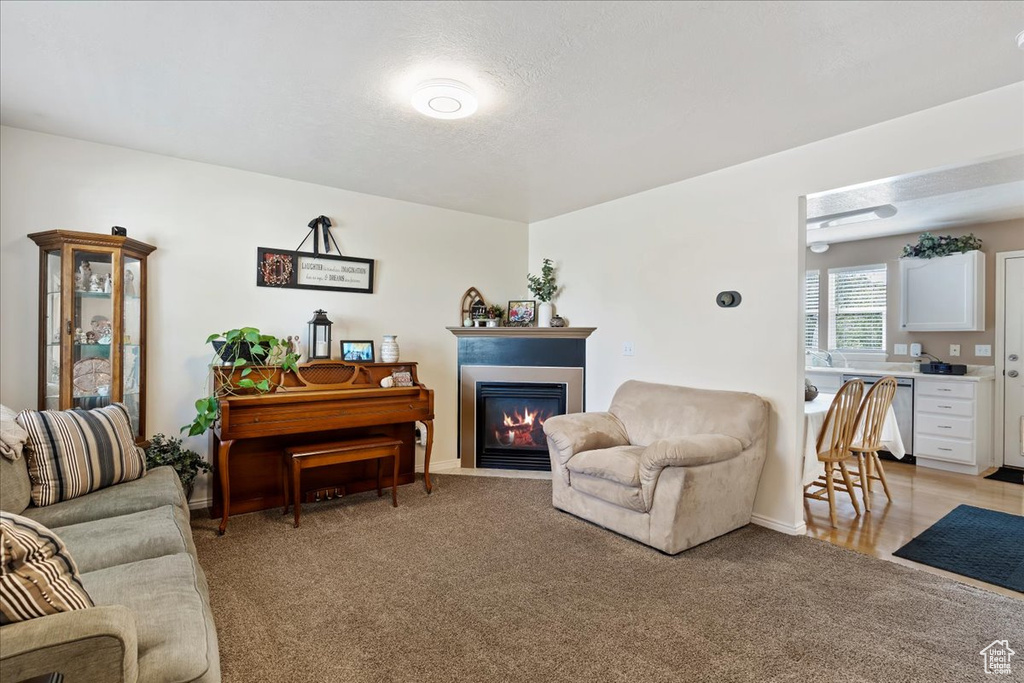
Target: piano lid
<point x="320" y="375"/>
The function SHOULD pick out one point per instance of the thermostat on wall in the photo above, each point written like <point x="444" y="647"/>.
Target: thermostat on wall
<point x="728" y="299"/>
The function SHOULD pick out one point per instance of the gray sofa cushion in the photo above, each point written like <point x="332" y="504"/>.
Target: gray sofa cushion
<point x="175" y="629"/>
<point x="15" y="486"/>
<point x="127" y="538"/>
<point x="159" y="487"/>
<point x="620" y="464"/>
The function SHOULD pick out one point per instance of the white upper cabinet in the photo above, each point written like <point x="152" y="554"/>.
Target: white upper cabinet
<point x="943" y="294"/>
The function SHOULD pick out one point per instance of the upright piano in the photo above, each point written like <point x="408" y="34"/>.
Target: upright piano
<point x="322" y="401"/>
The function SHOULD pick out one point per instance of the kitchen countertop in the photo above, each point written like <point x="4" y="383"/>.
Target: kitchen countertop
<point x="975" y="373"/>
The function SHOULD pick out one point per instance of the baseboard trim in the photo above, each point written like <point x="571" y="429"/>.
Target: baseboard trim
<point x="442" y="465"/>
<point x="775" y="525"/>
<point x="200" y="503"/>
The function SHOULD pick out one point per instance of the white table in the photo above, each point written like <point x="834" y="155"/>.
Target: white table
<point x="814" y="418"/>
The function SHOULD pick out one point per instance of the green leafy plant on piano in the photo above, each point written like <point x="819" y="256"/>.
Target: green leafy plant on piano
<point x="245" y="361"/>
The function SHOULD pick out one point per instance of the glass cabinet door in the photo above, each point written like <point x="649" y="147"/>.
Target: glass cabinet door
<point x="92" y="329"/>
<point x="132" y="339"/>
<point x="52" y="331"/>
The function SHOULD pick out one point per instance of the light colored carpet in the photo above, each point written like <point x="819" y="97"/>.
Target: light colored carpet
<point x="485" y="581"/>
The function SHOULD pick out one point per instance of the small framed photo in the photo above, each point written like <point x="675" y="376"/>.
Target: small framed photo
<point x="358" y="351"/>
<point x="402" y="379"/>
<point x="522" y="313"/>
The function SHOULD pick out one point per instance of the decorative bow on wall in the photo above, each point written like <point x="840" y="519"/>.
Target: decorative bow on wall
<point x="316" y="226"/>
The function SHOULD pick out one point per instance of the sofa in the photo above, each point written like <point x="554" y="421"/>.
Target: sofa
<point x="669" y="466"/>
<point x="133" y="546"/>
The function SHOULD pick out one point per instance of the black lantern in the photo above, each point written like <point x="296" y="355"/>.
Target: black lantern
<point x="320" y="336"/>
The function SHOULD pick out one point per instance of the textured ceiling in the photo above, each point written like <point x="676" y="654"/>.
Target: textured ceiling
<point x="580" y="102"/>
<point x="991" y="190"/>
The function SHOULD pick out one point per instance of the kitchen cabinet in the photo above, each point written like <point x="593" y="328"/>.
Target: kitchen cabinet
<point x="943" y="294"/>
<point x="953" y="424"/>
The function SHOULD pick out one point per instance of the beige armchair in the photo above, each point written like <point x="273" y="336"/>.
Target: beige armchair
<point x="669" y="466"/>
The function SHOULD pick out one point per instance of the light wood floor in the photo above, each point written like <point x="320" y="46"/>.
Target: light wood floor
<point x="921" y="497"/>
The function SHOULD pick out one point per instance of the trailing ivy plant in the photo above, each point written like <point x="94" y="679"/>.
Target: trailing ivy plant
<point x="544" y="287"/>
<point x="259" y="356"/>
<point x="167" y="450"/>
<point x="930" y="246"/>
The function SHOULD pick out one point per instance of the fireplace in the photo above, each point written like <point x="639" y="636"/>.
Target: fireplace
<point x="510" y="423"/>
<point x="511" y="380"/>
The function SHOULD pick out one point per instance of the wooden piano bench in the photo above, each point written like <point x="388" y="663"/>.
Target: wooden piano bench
<point x="335" y="453"/>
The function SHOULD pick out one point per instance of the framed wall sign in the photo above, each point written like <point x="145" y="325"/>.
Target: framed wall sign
<point x="301" y="270"/>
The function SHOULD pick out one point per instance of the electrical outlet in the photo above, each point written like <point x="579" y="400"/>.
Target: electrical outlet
<point x="627" y="349"/>
<point x="982" y="349"/>
<point x="954" y="350"/>
<point x="915" y="350"/>
<point x="899" y="349"/>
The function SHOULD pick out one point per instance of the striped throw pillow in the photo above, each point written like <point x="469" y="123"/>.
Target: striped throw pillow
<point x="37" y="575"/>
<point x="74" y="452"/>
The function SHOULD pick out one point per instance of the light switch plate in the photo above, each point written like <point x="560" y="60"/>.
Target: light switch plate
<point x="954" y="350"/>
<point x="982" y="349"/>
<point x="627" y="349"/>
<point x="899" y="349"/>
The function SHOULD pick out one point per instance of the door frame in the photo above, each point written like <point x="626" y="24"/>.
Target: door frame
<point x="1000" y="353"/>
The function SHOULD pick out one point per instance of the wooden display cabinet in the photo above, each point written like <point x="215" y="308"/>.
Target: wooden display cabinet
<point x="92" y="322"/>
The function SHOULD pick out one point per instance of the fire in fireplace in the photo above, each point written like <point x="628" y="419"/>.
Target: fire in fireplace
<point x="520" y="430"/>
<point x="510" y="427"/>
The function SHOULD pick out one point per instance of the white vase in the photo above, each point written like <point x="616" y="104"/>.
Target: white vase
<point x="544" y="313"/>
<point x="389" y="349"/>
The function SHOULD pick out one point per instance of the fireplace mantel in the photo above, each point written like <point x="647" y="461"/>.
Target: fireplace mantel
<point x="531" y="332"/>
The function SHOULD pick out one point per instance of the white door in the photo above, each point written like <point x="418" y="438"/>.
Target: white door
<point x="1013" y="359"/>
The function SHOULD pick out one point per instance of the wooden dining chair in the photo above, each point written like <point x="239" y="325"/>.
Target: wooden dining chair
<point x="867" y="439"/>
<point x="833" y="448"/>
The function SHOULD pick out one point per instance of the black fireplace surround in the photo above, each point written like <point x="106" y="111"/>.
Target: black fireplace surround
<point x="510" y="423"/>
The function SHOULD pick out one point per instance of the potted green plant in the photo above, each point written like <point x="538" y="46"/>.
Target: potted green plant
<point x="545" y="289"/>
<point x="495" y="314"/>
<point x="930" y="246"/>
<point x="245" y="361"/>
<point x="165" y="450"/>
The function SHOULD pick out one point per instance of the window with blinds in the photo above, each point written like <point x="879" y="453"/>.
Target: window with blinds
<point x="812" y="299"/>
<point x="856" y="303"/>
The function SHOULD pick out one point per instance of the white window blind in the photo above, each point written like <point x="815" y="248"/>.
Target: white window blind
<point x="812" y="299"/>
<point x="856" y="303"/>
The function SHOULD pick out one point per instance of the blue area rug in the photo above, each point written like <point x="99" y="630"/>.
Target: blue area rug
<point x="982" y="544"/>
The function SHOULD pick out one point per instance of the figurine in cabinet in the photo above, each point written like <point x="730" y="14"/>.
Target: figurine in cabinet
<point x="84" y="276"/>
<point x="94" y="284"/>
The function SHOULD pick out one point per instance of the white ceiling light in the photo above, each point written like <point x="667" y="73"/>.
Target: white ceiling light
<point x="441" y="98"/>
<point x="819" y="247"/>
<point x="1020" y="40"/>
<point x="856" y="216"/>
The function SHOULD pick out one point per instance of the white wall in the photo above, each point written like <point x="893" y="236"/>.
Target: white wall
<point x="206" y="222"/>
<point x="646" y="268"/>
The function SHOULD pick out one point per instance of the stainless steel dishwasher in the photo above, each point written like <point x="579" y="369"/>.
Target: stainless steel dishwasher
<point x="902" y="405"/>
